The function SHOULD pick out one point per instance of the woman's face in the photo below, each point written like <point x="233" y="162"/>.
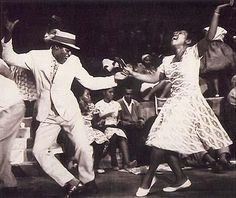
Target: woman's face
<point x="147" y="60"/>
<point x="179" y="38"/>
<point x="86" y="96"/>
<point x="233" y="81"/>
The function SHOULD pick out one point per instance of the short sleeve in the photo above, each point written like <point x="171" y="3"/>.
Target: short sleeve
<point x="118" y="106"/>
<point x="166" y="61"/>
<point x="194" y="50"/>
<point x="161" y="68"/>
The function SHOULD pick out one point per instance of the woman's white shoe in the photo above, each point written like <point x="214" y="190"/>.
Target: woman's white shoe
<point x="143" y="192"/>
<point x="173" y="189"/>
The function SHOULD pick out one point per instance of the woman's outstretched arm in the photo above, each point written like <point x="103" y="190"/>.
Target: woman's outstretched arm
<point x="149" y="78"/>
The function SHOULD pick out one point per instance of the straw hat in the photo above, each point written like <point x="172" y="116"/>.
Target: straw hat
<point x="64" y="38"/>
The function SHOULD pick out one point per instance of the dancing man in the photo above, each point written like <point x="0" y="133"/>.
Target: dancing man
<point x="54" y="70"/>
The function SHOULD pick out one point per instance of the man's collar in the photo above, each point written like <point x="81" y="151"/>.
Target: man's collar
<point x="132" y="101"/>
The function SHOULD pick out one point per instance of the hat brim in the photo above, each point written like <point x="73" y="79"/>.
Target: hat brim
<point x="65" y="44"/>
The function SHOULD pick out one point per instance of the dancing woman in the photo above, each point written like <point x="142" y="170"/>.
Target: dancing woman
<point x="197" y="128"/>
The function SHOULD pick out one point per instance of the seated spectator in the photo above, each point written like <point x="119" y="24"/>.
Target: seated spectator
<point x="96" y="137"/>
<point x="215" y="64"/>
<point x="109" y="112"/>
<point x="229" y="114"/>
<point x="147" y="66"/>
<point x="131" y="121"/>
<point x="218" y="160"/>
<point x="161" y="89"/>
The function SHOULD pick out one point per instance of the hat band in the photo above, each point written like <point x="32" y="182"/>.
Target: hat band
<point x="64" y="40"/>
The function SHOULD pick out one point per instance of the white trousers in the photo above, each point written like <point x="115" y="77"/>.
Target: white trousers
<point x="46" y="136"/>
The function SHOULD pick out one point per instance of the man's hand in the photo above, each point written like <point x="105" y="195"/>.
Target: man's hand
<point x="128" y="70"/>
<point x="120" y="76"/>
<point x="9" y="26"/>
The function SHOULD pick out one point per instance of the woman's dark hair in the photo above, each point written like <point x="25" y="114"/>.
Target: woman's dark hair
<point x="192" y="33"/>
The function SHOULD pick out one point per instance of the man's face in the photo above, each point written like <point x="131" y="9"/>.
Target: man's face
<point x="128" y="95"/>
<point x="61" y="54"/>
<point x="109" y="94"/>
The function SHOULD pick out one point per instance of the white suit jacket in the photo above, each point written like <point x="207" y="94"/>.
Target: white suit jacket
<point x="59" y="92"/>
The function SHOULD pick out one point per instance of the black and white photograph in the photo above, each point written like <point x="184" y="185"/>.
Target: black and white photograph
<point x="117" y="98"/>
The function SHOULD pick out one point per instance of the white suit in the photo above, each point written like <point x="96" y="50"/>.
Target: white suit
<point x="66" y="113"/>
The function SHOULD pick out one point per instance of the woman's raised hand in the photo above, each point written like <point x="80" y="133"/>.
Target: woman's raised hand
<point x="230" y="3"/>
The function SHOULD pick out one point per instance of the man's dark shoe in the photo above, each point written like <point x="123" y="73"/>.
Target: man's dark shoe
<point x="72" y="190"/>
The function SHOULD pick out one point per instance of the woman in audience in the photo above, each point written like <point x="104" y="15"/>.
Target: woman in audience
<point x="230" y="114"/>
<point x="160" y="89"/>
<point x="186" y="123"/>
<point x="96" y="137"/>
<point x="109" y="112"/>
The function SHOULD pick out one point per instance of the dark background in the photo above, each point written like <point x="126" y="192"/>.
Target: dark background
<point x="117" y="27"/>
<point x="131" y="27"/>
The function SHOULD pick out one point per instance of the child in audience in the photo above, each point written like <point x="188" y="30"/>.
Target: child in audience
<point x="96" y="137"/>
<point x="109" y="111"/>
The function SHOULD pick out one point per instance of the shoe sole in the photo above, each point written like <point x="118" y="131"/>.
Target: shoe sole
<point x="173" y="189"/>
<point x="143" y="192"/>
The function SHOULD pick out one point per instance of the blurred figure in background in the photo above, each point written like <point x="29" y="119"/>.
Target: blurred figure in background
<point x="12" y="111"/>
<point x="230" y="114"/>
<point x="216" y="61"/>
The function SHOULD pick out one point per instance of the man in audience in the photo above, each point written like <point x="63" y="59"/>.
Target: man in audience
<point x="230" y="114"/>
<point x="132" y="121"/>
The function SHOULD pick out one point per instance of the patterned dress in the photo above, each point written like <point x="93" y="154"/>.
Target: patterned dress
<point x="25" y="82"/>
<point x="186" y="123"/>
<point x="94" y="135"/>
